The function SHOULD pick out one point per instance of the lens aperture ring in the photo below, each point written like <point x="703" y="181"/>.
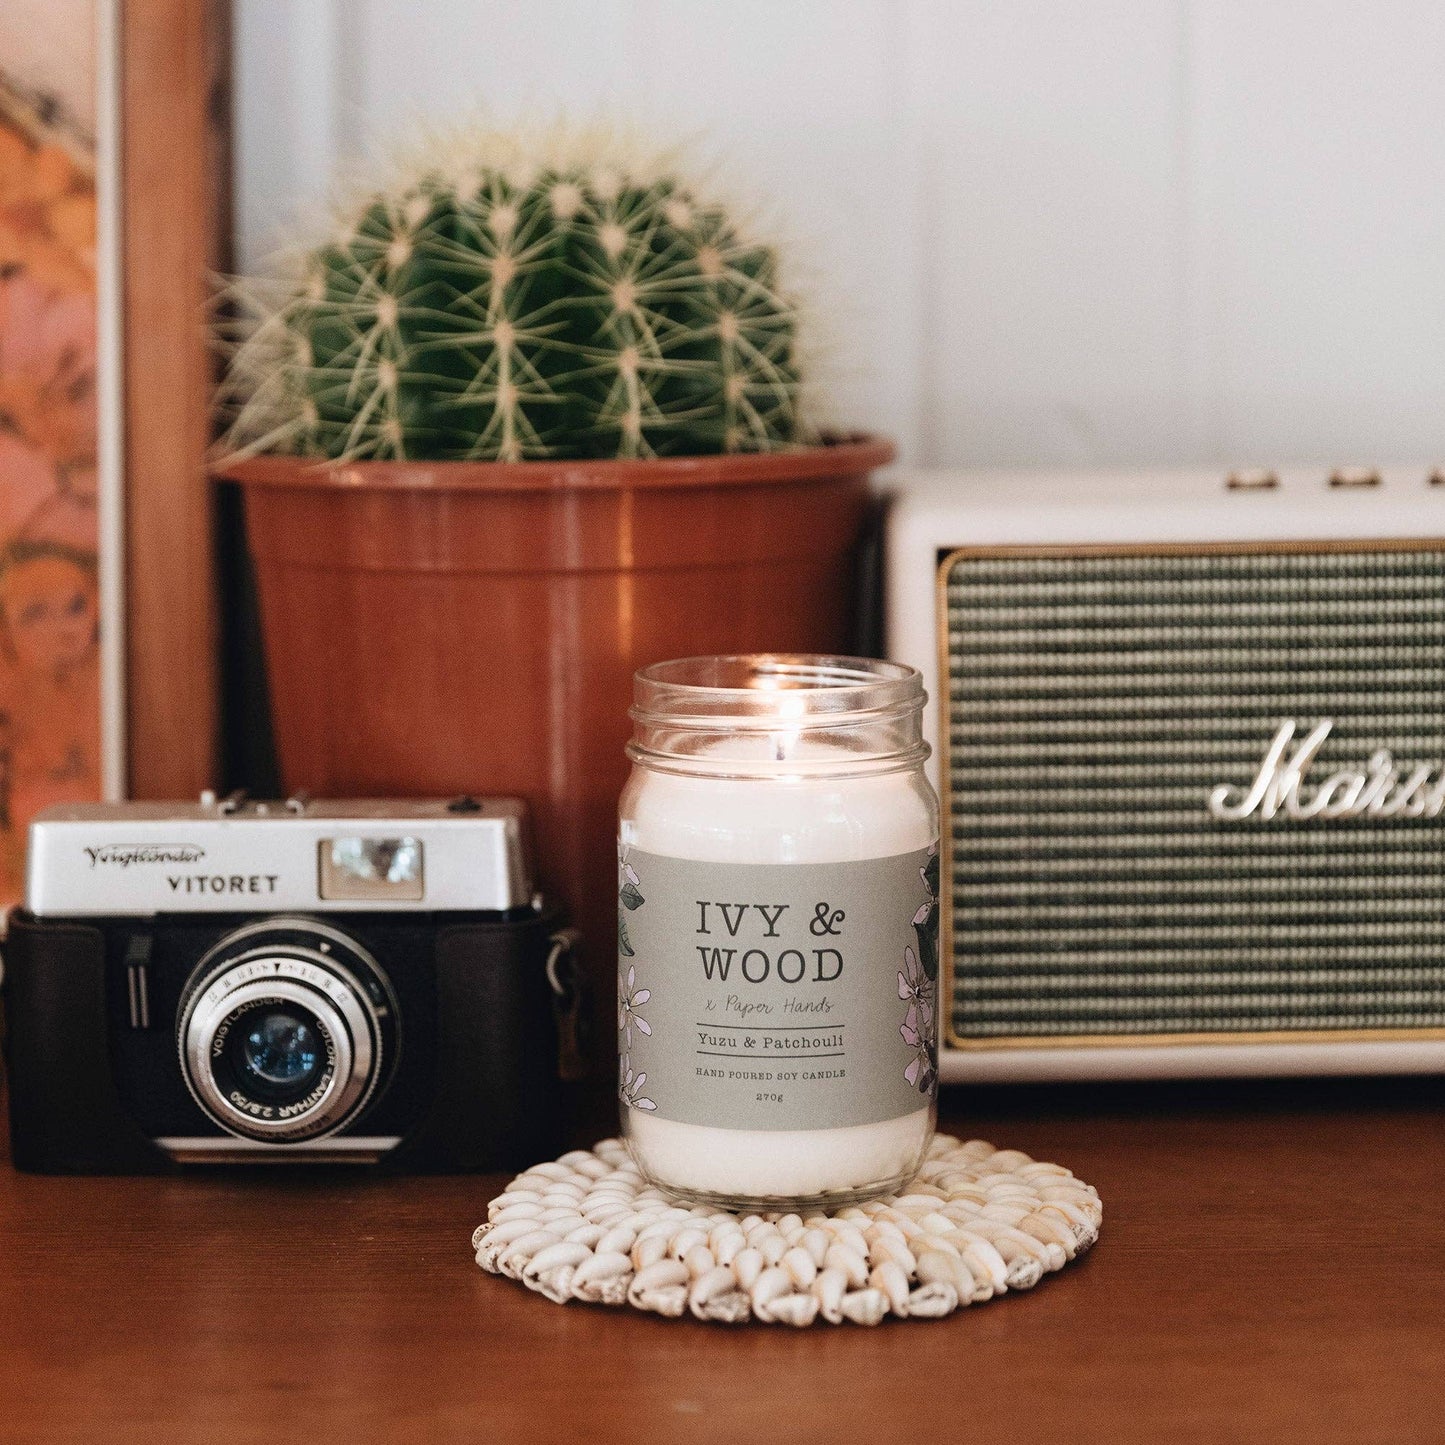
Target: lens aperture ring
<point x="264" y="970"/>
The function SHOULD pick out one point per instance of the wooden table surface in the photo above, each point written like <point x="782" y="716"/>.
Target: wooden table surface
<point x="1272" y="1268"/>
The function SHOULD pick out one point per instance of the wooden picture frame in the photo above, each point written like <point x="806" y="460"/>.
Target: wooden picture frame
<point x="172" y="69"/>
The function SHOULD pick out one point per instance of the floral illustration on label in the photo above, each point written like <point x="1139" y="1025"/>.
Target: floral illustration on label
<point x="629" y="898"/>
<point x="629" y="1086"/>
<point x="630" y="997"/>
<point x="918" y="985"/>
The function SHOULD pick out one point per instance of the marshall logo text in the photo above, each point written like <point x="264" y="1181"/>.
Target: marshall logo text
<point x="1380" y="790"/>
<point x="124" y="855"/>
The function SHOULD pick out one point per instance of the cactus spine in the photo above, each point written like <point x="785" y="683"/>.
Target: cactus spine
<point x="487" y="316"/>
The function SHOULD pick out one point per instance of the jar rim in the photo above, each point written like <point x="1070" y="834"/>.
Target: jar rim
<point x="744" y="689"/>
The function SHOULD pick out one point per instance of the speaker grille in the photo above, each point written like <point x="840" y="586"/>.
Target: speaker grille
<point x="1094" y="701"/>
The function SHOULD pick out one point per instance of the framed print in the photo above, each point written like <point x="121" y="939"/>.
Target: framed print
<point x="112" y="174"/>
<point x="58" y="728"/>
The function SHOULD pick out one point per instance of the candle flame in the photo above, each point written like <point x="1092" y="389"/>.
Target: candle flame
<point x="790" y="705"/>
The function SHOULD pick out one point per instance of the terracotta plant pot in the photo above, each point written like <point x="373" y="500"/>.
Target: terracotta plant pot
<point x="439" y="628"/>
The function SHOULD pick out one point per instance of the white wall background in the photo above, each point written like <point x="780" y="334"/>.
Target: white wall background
<point x="1049" y="231"/>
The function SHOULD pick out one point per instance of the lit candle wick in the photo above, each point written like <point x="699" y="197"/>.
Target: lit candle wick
<point x="786" y="739"/>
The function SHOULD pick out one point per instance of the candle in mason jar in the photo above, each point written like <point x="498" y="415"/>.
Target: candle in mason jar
<point x="778" y="880"/>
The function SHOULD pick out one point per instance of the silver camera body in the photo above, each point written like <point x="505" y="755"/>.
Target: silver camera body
<point x="231" y="982"/>
<point x="116" y="859"/>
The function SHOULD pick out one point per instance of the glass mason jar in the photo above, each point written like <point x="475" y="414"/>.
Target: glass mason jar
<point x="778" y="931"/>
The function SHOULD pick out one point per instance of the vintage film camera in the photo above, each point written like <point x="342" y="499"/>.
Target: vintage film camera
<point x="1190" y="746"/>
<point x="231" y="982"/>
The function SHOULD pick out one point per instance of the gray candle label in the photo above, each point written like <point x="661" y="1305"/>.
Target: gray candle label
<point x="778" y="996"/>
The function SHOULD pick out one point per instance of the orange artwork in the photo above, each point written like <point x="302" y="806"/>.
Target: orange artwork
<point x="50" y="717"/>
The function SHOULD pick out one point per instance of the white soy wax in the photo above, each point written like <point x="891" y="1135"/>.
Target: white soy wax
<point x="777" y="1024"/>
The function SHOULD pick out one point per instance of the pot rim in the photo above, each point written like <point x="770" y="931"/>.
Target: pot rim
<point x="847" y="455"/>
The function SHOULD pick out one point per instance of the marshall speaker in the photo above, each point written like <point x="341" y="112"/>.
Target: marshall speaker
<point x="1190" y="746"/>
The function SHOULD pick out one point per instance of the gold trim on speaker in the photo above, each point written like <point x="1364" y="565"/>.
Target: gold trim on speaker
<point x="954" y="1040"/>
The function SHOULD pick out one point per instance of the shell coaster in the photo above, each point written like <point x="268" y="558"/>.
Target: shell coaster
<point x="976" y="1222"/>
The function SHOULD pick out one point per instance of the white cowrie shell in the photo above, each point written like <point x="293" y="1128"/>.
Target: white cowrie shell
<point x="602" y="1266"/>
<point x="1052" y="1230"/>
<point x="935" y="1223"/>
<point x="816" y="1242"/>
<point x="619" y="1239"/>
<point x="685" y="1240"/>
<point x="1065" y="1189"/>
<point x="939" y="1268"/>
<point x="984" y="1260"/>
<point x="649" y="1250"/>
<point x="511" y="1261"/>
<point x="1076" y="1217"/>
<point x="554" y="1257"/>
<point x="725" y="1229"/>
<point x="799" y="1310"/>
<point x="716" y="1296"/>
<point x="929" y="1243"/>
<point x="800" y="1267"/>
<point x="893" y="1283"/>
<point x="924" y="1203"/>
<point x="547" y="1173"/>
<point x="828" y="1289"/>
<point x="530" y="1243"/>
<point x="1038" y="1172"/>
<point x="932" y="1301"/>
<point x="661" y="1287"/>
<point x="790" y="1226"/>
<point x="771" y="1284"/>
<point x="747" y="1266"/>
<point x="910" y="1228"/>
<point x="772" y="1248"/>
<point x="609" y="1291"/>
<point x="699" y="1261"/>
<point x="510" y="1229"/>
<point x="865" y="1306"/>
<point x="611" y="1218"/>
<point x="555" y="1284"/>
<point x="882" y="1229"/>
<point x="1011" y="1159"/>
<point x="514" y="1196"/>
<point x="1008" y="1213"/>
<point x="591" y="1167"/>
<point x="851" y="1264"/>
<point x="890" y="1251"/>
<point x="522" y="1209"/>
<point x="727" y="1245"/>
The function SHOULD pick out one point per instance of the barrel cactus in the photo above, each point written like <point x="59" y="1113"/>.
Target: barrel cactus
<point x="532" y="308"/>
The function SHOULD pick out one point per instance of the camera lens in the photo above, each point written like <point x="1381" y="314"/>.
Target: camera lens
<point x="285" y="1031"/>
<point x="279" y="1048"/>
